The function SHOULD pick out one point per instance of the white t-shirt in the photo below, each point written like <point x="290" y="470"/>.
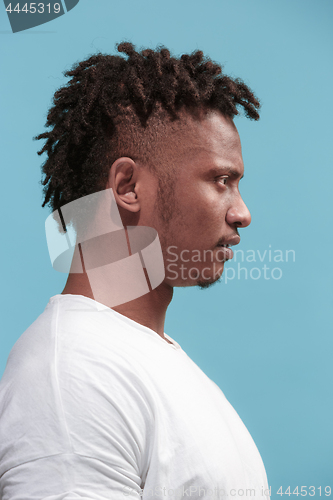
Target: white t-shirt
<point x="96" y="406"/>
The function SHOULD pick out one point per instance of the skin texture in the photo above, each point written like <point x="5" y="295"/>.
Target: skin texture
<point x="207" y="210"/>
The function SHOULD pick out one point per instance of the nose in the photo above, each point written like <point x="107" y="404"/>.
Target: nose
<point x="238" y="214"/>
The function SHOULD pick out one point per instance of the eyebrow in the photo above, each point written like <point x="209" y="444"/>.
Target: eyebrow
<point x="225" y="170"/>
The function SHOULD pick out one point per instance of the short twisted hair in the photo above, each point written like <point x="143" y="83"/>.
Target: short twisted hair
<point x="106" y="90"/>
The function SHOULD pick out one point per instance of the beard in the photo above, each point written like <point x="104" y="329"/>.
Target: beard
<point x="203" y="285"/>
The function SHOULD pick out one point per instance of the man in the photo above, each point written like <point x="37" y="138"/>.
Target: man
<point x="97" y="402"/>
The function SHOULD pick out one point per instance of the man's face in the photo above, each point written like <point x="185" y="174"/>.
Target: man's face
<point x="207" y="206"/>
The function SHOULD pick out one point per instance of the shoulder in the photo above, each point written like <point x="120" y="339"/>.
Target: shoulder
<point x="72" y="384"/>
<point x="74" y="341"/>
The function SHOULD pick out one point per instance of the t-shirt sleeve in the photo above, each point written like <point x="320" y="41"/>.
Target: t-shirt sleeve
<point x="73" y="426"/>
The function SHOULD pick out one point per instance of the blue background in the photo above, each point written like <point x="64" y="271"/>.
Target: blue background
<point x="267" y="343"/>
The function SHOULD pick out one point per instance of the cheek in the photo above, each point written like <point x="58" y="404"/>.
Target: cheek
<point x="198" y="216"/>
<point x="209" y="215"/>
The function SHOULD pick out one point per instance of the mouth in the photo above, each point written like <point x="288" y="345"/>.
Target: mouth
<point x="227" y="252"/>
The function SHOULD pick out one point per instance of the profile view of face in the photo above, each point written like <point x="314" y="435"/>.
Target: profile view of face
<point x="207" y="208"/>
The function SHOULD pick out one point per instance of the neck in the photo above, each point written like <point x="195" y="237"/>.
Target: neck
<point x="148" y="310"/>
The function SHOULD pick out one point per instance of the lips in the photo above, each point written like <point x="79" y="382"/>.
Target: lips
<point x="228" y="253"/>
<point x="227" y="242"/>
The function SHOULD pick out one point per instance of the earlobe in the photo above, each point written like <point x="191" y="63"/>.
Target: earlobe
<point x="123" y="178"/>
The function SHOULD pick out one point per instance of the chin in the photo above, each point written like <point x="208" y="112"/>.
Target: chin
<point x="205" y="282"/>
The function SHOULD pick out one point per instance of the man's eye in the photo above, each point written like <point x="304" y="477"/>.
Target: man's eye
<point x="223" y="180"/>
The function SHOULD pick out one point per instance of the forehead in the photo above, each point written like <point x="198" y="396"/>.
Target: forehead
<point x="212" y="139"/>
<point x="219" y="131"/>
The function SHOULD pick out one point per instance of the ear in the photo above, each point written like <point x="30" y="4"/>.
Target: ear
<point x="123" y="177"/>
